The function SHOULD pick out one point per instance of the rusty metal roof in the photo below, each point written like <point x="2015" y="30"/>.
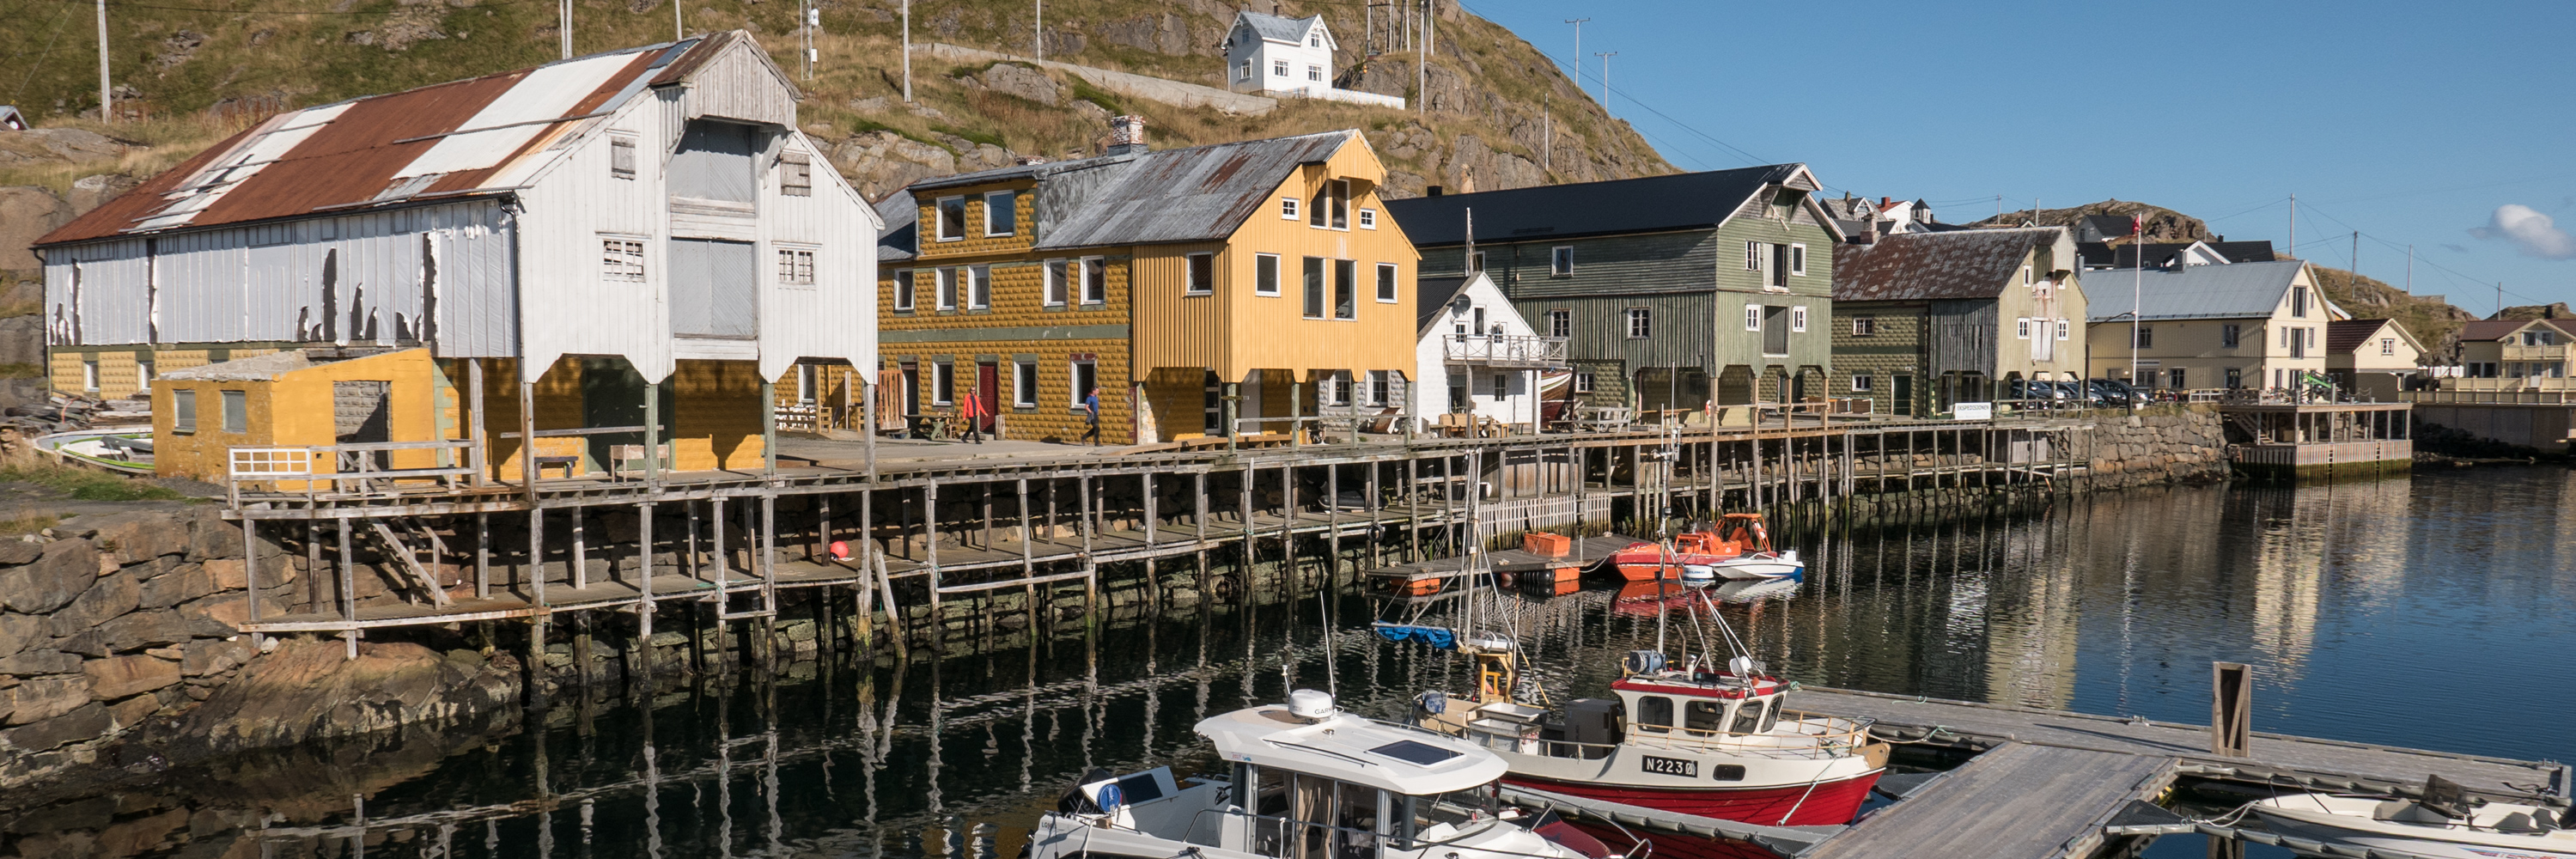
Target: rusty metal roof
<point x="1198" y="194"/>
<point x="1936" y="266"/>
<point x="2498" y="329"/>
<point x="462" y="138"/>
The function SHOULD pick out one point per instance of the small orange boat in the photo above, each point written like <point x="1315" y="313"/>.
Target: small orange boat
<point x="1734" y="535"/>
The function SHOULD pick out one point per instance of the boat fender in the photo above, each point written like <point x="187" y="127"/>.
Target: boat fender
<point x="1431" y="703"/>
<point x="1644" y="662"/>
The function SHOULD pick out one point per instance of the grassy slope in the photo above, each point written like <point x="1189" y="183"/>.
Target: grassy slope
<point x="303" y="52"/>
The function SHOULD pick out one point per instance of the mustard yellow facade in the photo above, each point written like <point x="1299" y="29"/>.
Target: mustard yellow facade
<point x="1278" y="303"/>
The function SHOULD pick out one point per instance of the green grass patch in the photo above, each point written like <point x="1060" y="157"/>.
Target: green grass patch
<point x="1082" y="89"/>
<point x="27" y="522"/>
<point x="984" y="137"/>
<point x="22" y="371"/>
<point x="86" y="485"/>
<point x="971" y="71"/>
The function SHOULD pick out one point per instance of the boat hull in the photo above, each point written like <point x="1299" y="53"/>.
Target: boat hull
<point x="1827" y="803"/>
<point x="2423" y="841"/>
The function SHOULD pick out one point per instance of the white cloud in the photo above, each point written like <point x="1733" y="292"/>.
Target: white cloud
<point x="2536" y="233"/>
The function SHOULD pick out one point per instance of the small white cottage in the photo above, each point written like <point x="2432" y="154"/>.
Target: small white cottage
<point x="1477" y="357"/>
<point x="1287" y="57"/>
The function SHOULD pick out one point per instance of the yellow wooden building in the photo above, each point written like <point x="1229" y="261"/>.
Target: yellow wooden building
<point x="1264" y="270"/>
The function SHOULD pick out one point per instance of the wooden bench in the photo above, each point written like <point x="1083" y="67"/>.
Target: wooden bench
<point x="570" y="463"/>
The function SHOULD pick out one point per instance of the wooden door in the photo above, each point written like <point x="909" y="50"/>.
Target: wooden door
<point x="988" y="391"/>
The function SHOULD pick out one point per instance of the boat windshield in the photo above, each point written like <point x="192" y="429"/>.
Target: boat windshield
<point x="1654" y="713"/>
<point x="1748" y="718"/>
<point x="1303" y="816"/>
<point x="1702" y="718"/>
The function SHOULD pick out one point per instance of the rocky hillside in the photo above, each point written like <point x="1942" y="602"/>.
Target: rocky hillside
<point x="2431" y="320"/>
<point x="186" y="77"/>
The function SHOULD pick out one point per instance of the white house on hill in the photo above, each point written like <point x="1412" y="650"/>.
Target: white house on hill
<point x="1283" y="57"/>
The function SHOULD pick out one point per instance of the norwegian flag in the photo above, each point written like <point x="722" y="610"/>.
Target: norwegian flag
<point x="2137" y="225"/>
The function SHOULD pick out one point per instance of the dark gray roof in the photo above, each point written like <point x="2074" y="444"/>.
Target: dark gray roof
<point x="1198" y="194"/>
<point x="900" y="240"/>
<point x="2246" y="251"/>
<point x="1039" y="170"/>
<point x="2102" y="254"/>
<point x="1278" y="28"/>
<point x="1430" y="294"/>
<point x="1935" y="266"/>
<point x="2239" y="291"/>
<point x="1647" y="204"/>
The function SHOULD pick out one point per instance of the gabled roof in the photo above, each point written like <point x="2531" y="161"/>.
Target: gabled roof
<point x="1279" y="28"/>
<point x="1642" y="205"/>
<point x="1936" y="266"/>
<point x="2245" y="251"/>
<point x="2345" y="335"/>
<point x="2106" y="255"/>
<point x="11" y="119"/>
<point x="2498" y="329"/>
<point x="900" y="238"/>
<point x="2240" y="291"/>
<point x="1433" y="294"/>
<point x="475" y="136"/>
<point x="1198" y="194"/>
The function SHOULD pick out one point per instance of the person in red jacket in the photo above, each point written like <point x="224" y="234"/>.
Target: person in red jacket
<point x="975" y="413"/>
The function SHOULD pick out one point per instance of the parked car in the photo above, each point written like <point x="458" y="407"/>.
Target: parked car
<point x="2111" y="393"/>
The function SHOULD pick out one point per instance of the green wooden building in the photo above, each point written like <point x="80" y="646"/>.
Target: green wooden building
<point x="1672" y="291"/>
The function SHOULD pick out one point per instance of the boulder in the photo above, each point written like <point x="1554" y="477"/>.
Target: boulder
<point x="229" y="574"/>
<point x="188" y="582"/>
<point x="45" y="698"/>
<point x="19" y="631"/>
<point x="110" y="597"/>
<point x="61" y="574"/>
<point x="141" y="536"/>
<point x="132" y="711"/>
<point x="27" y="212"/>
<point x="137" y="836"/>
<point x="212" y="537"/>
<point x="85" y="722"/>
<point x="110" y="679"/>
<point x="45" y="661"/>
<point x="145" y="629"/>
<point x="213" y="656"/>
<point x="223" y="614"/>
<point x="15" y="552"/>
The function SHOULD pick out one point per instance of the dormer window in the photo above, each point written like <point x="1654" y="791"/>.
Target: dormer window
<point x="1315" y="40"/>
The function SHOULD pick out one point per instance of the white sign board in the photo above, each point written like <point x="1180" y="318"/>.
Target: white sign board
<point x="1973" y="411"/>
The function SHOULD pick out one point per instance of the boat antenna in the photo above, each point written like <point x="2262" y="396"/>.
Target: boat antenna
<point x="1332" y="682"/>
<point x="1724" y="629"/>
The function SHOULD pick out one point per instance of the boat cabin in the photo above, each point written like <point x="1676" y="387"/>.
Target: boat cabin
<point x="1684" y="705"/>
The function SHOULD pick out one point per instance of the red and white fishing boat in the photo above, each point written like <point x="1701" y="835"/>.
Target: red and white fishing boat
<point x="1739" y="547"/>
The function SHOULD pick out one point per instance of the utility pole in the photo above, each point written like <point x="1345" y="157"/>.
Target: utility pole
<point x="2137" y="299"/>
<point x="106" y="111"/>
<point x="2410" y="269"/>
<point x="1578" y="45"/>
<point x="1605" y="80"/>
<point x="678" y="31"/>
<point x="806" y="20"/>
<point x="2293" y="249"/>
<point x="1547" y="132"/>
<point x="907" y="51"/>
<point x="2356" y="260"/>
<point x="564" y="26"/>
<point x="1039" y="51"/>
<point x="2499" y="299"/>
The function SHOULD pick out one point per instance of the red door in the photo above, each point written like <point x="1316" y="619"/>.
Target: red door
<point x="988" y="391"/>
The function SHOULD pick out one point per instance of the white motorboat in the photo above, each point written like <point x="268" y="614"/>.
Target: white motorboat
<point x="1308" y="782"/>
<point x="1758" y="566"/>
<point x="2445" y="824"/>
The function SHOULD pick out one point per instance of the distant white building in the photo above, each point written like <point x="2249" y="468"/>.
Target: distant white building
<point x="1287" y="57"/>
<point x="1476" y="355"/>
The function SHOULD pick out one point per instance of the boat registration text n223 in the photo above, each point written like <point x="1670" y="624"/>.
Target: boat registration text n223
<point x="1669" y="766"/>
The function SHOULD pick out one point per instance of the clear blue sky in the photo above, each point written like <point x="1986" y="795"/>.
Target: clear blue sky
<point x="2448" y="126"/>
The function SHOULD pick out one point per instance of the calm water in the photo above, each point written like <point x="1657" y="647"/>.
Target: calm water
<point x="2380" y="612"/>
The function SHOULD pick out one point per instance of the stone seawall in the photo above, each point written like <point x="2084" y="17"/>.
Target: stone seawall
<point x="2159" y="444"/>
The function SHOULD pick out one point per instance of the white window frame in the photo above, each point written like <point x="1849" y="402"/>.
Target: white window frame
<point x="1380" y="386"/>
<point x="1288" y="208"/>
<point x="1584" y="381"/>
<point x="1314" y="73"/>
<point x="1368" y="219"/>
<point x="89" y="374"/>
<point x="1753" y="254"/>
<point x="1560" y="261"/>
<point x="979" y="287"/>
<point x="1024" y="384"/>
<point x="1864" y="326"/>
<point x="236" y="405"/>
<point x="943" y="383"/>
<point x="1245" y="73"/>
<point x="143" y="375"/>
<point x="621" y="259"/>
<point x="2388" y="345"/>
<point x="1010" y="203"/>
<point x="1095" y="266"/>
<point x="1641" y="318"/>
<point x="796" y="265"/>
<point x="2021" y="328"/>
<point x="1272" y="260"/>
<point x="1797" y="259"/>
<point x="1278" y="68"/>
<point x="2026" y="279"/>
<point x="1191" y="284"/>
<point x="939" y="214"/>
<point x="1073" y="380"/>
<point x="1798" y="319"/>
<point x="947" y="293"/>
<point x="2065" y="329"/>
<point x="1476" y="262"/>
<point x="1753" y="317"/>
<point x="907" y="288"/>
<point x="183" y="412"/>
<point x="805" y="383"/>
<point x="1860" y="383"/>
<point x="1390" y="283"/>
<point x="1052" y="289"/>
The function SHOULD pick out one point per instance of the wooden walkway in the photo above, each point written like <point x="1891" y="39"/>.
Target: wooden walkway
<point x="2016" y="801"/>
<point x="2276" y="759"/>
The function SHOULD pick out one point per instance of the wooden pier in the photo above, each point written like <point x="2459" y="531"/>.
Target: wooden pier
<point x="2015" y="801"/>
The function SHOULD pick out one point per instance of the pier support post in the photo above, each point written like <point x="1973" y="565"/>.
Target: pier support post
<point x="2231" y="709"/>
<point x="644" y="583"/>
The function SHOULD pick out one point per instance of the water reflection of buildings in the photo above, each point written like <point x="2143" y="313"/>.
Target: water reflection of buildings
<point x="2031" y="615"/>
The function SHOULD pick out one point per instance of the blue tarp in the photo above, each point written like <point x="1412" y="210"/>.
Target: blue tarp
<point x="1439" y="637"/>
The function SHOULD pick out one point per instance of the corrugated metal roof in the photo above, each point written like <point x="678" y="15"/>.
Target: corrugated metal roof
<point x="1198" y="194"/>
<point x="1647" y="204"/>
<point x="457" y="138"/>
<point x="2242" y="290"/>
<point x="1936" y="266"/>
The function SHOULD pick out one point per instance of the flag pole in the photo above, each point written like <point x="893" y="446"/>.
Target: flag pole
<point x="2137" y="299"/>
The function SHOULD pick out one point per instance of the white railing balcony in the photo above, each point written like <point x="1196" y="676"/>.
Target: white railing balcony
<point x="2535" y="353"/>
<point x="1504" y="350"/>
